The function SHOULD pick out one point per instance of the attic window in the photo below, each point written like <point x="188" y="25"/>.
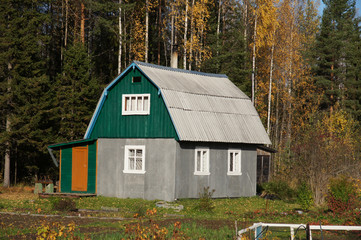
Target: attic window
<point x="136" y="79"/>
<point x="136" y="104"/>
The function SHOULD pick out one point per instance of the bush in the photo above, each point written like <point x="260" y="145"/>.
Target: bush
<point x="342" y="195"/>
<point x="63" y="204"/>
<point x="279" y="188"/>
<point x="304" y="196"/>
<point x="141" y="210"/>
<point x="205" y="200"/>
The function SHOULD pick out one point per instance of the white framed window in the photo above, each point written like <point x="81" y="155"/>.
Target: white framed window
<point x="201" y="161"/>
<point x="135" y="104"/>
<point x="234" y="162"/>
<point x="134" y="159"/>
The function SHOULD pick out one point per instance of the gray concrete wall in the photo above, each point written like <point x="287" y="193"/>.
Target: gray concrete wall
<point x="189" y="185"/>
<point x="157" y="182"/>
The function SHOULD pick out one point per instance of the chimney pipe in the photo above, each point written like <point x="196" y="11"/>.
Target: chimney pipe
<point x="174" y="57"/>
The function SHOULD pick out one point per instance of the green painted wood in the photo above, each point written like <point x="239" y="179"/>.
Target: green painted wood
<point x="66" y="168"/>
<point x="68" y="144"/>
<point x="112" y="124"/>
<point x="66" y="158"/>
<point x="92" y="157"/>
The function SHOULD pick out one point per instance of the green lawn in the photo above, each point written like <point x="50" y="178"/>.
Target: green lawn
<point x="220" y="223"/>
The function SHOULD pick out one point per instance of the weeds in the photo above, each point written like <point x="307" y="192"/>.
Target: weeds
<point x="279" y="188"/>
<point x="63" y="204"/>
<point x="205" y="202"/>
<point x="304" y="196"/>
<point x="147" y="228"/>
<point x="342" y="195"/>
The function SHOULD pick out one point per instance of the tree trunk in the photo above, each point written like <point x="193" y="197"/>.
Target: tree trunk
<point x="245" y="22"/>
<point x="130" y="44"/>
<point x="125" y="41"/>
<point x="82" y="23"/>
<point x="191" y="41"/>
<point x="66" y="23"/>
<point x="218" y="30"/>
<point x="270" y="92"/>
<point x="200" y="52"/>
<point x="76" y="24"/>
<point x="290" y="83"/>
<point x="120" y="39"/>
<point x="62" y="34"/>
<point x="146" y="30"/>
<point x="185" y="37"/>
<point x="254" y="61"/>
<point x="218" y="23"/>
<point x="7" y="156"/>
<point x="159" y="28"/>
<point x="172" y="32"/>
<point x="7" y="143"/>
<point x="277" y="127"/>
<point x="165" y="53"/>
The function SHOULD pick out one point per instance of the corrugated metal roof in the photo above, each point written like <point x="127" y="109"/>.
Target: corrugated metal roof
<point x="207" y="107"/>
<point x="190" y="81"/>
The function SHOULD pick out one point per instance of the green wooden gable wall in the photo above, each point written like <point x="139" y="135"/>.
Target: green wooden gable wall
<point x="66" y="168"/>
<point x="112" y="124"/>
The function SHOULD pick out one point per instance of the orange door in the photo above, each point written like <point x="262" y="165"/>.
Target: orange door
<point x="79" y="169"/>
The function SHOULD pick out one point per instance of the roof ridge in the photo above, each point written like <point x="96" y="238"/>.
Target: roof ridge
<point x="180" y="70"/>
<point x="205" y="94"/>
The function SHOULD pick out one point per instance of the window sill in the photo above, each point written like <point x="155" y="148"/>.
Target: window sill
<point x="202" y="173"/>
<point x="133" y="172"/>
<point x="135" y="113"/>
<point x="234" y="173"/>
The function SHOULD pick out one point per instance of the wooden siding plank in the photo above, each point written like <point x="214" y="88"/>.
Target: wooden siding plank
<point x="66" y="166"/>
<point x="92" y="159"/>
<point x="59" y="190"/>
<point x="112" y="124"/>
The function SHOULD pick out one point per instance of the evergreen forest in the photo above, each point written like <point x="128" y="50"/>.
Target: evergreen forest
<point x="301" y="70"/>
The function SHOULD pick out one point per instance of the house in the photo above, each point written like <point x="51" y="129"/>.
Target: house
<point x="165" y="133"/>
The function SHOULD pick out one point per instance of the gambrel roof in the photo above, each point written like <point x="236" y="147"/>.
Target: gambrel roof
<point x="203" y="107"/>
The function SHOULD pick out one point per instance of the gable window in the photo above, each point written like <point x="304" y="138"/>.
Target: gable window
<point x="136" y="79"/>
<point x="134" y="158"/>
<point x="234" y="162"/>
<point x="136" y="104"/>
<point x="201" y="161"/>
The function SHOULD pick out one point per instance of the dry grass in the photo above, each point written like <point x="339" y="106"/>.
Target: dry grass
<point x="17" y="193"/>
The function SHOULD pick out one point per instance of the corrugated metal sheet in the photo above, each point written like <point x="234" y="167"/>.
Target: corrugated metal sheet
<point x="191" y="82"/>
<point x="207" y="107"/>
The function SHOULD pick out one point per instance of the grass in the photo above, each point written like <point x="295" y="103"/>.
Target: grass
<point x="245" y="211"/>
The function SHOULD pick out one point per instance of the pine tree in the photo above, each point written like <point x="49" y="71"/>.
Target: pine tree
<point x="77" y="93"/>
<point x="337" y="56"/>
<point x="227" y="43"/>
<point x="26" y="102"/>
